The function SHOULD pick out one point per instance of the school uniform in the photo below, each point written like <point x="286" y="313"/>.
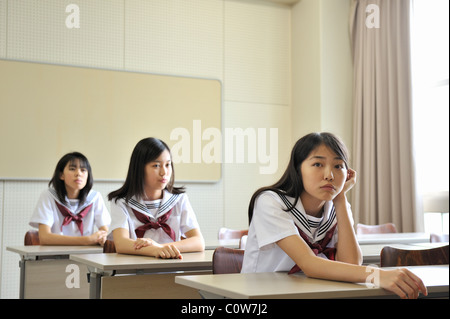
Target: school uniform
<point x="271" y="223"/>
<point x="70" y="218"/>
<point x="164" y="220"/>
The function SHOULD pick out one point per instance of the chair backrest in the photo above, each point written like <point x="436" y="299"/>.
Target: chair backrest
<point x="227" y="233"/>
<point x="227" y="260"/>
<point x="109" y="247"/>
<point x="438" y="238"/>
<point x="376" y="229"/>
<point x="393" y="257"/>
<point x="243" y="242"/>
<point x="31" y="238"/>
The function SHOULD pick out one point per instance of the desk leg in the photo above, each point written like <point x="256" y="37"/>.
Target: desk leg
<point x="95" y="285"/>
<point x="22" y="263"/>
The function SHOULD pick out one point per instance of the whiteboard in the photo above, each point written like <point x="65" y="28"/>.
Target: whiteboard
<point x="50" y="110"/>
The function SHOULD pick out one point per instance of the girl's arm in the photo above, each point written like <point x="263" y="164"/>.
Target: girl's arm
<point x="193" y="242"/>
<point x="148" y="247"/>
<point x="46" y="237"/>
<point x="347" y="247"/>
<point x="400" y="281"/>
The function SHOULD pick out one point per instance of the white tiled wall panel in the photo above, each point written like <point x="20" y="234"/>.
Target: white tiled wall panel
<point x="19" y="200"/>
<point x="260" y="72"/>
<point x="3" y="22"/>
<point x="37" y="31"/>
<point x="207" y="202"/>
<point x="175" y="37"/>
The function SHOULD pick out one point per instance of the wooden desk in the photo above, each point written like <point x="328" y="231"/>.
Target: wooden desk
<point x="44" y="271"/>
<point x="283" y="286"/>
<point x="393" y="238"/>
<point x="155" y="276"/>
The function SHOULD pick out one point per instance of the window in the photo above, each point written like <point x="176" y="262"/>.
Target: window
<point x="430" y="73"/>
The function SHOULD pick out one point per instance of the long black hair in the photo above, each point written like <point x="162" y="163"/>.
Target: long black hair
<point x="291" y="183"/>
<point x="146" y="150"/>
<point x="59" y="184"/>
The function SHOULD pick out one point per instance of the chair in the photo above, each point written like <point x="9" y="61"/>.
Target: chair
<point x="227" y="260"/>
<point x="227" y="233"/>
<point x="393" y="257"/>
<point x="109" y="247"/>
<point x="439" y="238"/>
<point x="31" y="238"/>
<point x="243" y="242"/>
<point x="376" y="229"/>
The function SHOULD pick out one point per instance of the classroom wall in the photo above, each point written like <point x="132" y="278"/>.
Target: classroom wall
<point x="258" y="50"/>
<point x="322" y="71"/>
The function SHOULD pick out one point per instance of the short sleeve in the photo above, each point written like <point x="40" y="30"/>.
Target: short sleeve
<point x="271" y="222"/>
<point x="44" y="211"/>
<point x="188" y="220"/>
<point x="119" y="215"/>
<point x="102" y="216"/>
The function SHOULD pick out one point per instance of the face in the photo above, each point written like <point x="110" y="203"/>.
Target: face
<point x="157" y="175"/>
<point x="75" y="178"/>
<point x="323" y="174"/>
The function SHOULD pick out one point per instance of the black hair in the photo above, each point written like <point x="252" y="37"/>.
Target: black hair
<point x="291" y="183"/>
<point x="145" y="151"/>
<point x="58" y="184"/>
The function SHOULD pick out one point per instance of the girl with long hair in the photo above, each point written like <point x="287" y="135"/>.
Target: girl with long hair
<point x="70" y="212"/>
<point x="304" y="223"/>
<point x="150" y="216"/>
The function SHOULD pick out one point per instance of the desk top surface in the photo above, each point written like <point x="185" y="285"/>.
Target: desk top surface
<point x="281" y="285"/>
<point x="116" y="261"/>
<point x="393" y="238"/>
<point x="36" y="250"/>
<point x="214" y="243"/>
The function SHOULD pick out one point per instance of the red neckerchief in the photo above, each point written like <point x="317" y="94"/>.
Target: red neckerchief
<point x="69" y="217"/>
<point x="319" y="247"/>
<point x="148" y="224"/>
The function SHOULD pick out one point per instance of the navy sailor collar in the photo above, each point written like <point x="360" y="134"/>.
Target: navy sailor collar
<point x="168" y="201"/>
<point x="89" y="200"/>
<point x="301" y="218"/>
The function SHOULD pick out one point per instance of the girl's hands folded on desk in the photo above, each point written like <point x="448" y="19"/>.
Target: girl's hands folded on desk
<point x="169" y="251"/>
<point x="165" y="251"/>
<point x="99" y="237"/>
<point x="142" y="242"/>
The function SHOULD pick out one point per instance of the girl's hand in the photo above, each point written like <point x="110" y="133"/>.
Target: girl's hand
<point x="165" y="251"/>
<point x="143" y="242"/>
<point x="99" y="237"/>
<point x="402" y="282"/>
<point x="351" y="180"/>
<point x="168" y="251"/>
<point x="349" y="183"/>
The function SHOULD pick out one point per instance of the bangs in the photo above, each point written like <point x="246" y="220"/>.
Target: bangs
<point x="75" y="161"/>
<point x="340" y="150"/>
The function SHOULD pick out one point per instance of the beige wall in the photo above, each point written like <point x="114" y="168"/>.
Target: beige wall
<point x="321" y="69"/>
<point x="275" y="67"/>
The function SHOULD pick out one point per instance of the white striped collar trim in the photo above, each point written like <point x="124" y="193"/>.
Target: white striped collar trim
<point x="168" y="201"/>
<point x="301" y="219"/>
<point x="89" y="200"/>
